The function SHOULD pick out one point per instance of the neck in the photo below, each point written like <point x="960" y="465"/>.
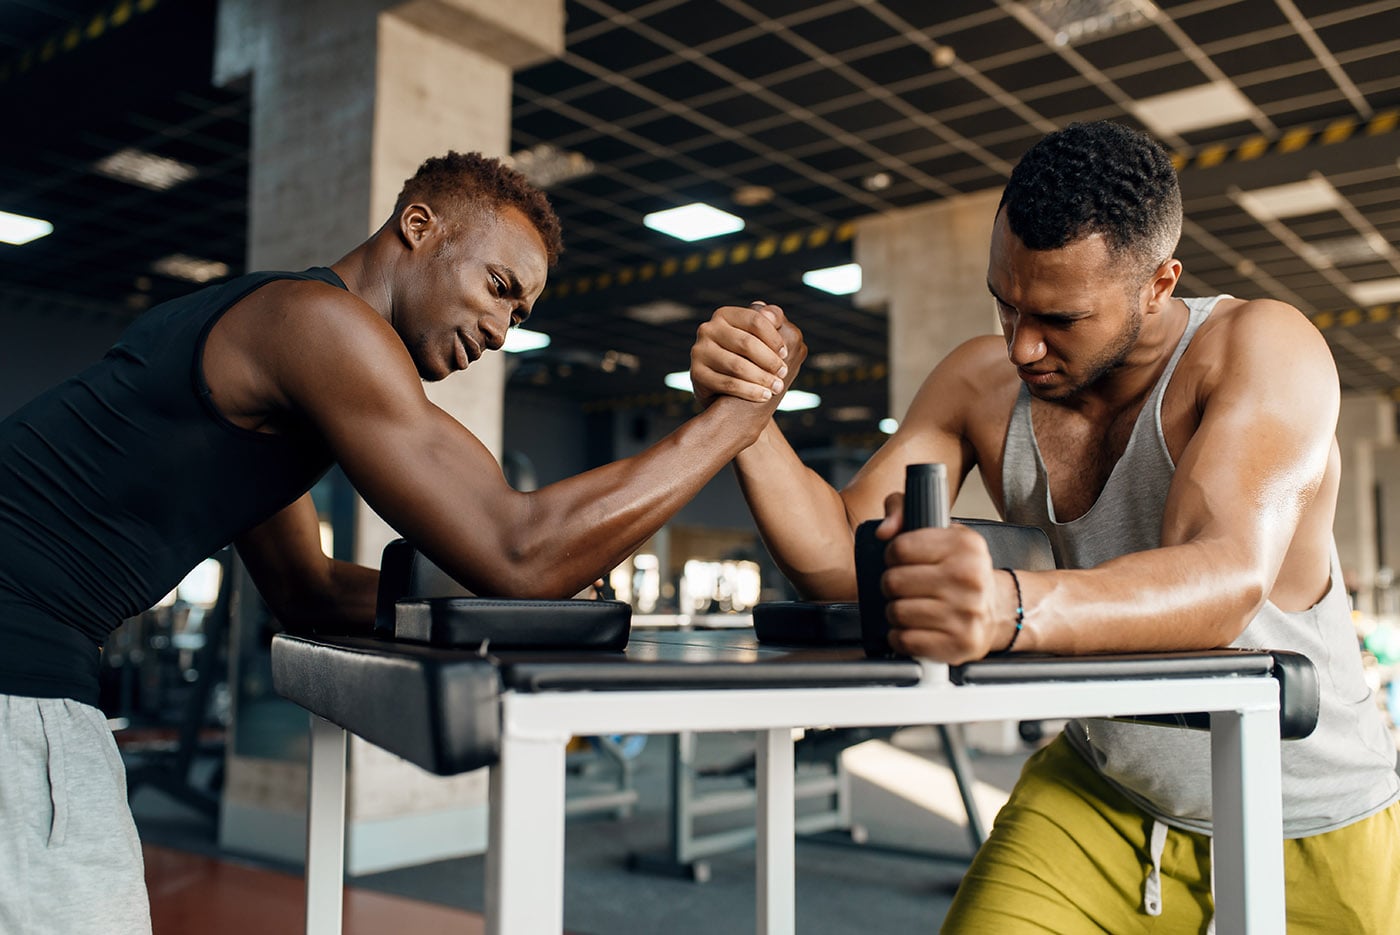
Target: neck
<point x="1131" y="381"/>
<point x="365" y="271"/>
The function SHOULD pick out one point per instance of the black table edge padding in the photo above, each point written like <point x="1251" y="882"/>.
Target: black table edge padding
<point x="514" y="623"/>
<point x="1299" y="696"/>
<point x="438" y="709"/>
<point x="1012" y="545"/>
<point x="395" y="575"/>
<point x="807" y="623"/>
<point x="784" y="672"/>
<point x="1296" y="675"/>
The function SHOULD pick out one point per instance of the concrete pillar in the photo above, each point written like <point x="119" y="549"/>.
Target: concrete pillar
<point x="349" y="97"/>
<point x="927" y="266"/>
<point x="1387" y="593"/>
<point x="1365" y="428"/>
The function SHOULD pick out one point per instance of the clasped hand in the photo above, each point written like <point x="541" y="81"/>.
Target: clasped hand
<point x="751" y="353"/>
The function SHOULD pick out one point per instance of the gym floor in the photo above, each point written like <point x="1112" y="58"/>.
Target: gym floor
<point x="841" y="887"/>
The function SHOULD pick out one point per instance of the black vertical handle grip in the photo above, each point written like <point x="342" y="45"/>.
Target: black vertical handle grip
<point x="925" y="496"/>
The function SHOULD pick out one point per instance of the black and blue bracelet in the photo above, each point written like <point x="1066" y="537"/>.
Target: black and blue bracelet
<point x="1020" y="610"/>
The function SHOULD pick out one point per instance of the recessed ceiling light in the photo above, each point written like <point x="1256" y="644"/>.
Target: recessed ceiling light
<point x="190" y="268"/>
<point x="792" y="401"/>
<point x="943" y="56"/>
<point x="693" y="222"/>
<point x="147" y="170"/>
<point x="1206" y="105"/>
<point x="838" y="280"/>
<point x="1295" y="199"/>
<point x="889" y="426"/>
<point x="660" y="312"/>
<point x="877" y="182"/>
<point x="21" y="229"/>
<point x="519" y="340"/>
<point x="1375" y="292"/>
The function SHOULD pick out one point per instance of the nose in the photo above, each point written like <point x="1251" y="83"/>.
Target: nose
<point x="495" y="334"/>
<point x="1025" y="345"/>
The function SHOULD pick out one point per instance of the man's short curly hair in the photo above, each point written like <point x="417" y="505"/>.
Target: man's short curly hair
<point x="472" y="181"/>
<point x="1097" y="178"/>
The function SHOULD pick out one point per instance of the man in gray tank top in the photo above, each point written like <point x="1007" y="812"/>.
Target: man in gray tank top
<point x="1188" y="483"/>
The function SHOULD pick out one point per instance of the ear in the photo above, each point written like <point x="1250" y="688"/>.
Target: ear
<point x="1162" y="283"/>
<point x="417" y="223"/>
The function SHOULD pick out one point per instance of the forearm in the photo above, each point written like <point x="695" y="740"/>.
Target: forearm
<point x="570" y="533"/>
<point x="340" y="601"/>
<point x="1192" y="596"/>
<point x="802" y="518"/>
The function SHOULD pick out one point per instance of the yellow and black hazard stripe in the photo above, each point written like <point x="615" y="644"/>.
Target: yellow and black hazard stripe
<point x="102" y="22"/>
<point x="1351" y="317"/>
<point x="1356" y="317"/>
<point x="1289" y="141"/>
<point x="702" y="261"/>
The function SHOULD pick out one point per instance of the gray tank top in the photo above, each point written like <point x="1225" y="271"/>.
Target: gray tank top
<point x="1343" y="772"/>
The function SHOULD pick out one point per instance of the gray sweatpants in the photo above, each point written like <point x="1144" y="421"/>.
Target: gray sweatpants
<point x="70" y="862"/>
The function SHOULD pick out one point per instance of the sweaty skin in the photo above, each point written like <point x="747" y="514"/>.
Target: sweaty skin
<point x="427" y="296"/>
<point x="1249" y="419"/>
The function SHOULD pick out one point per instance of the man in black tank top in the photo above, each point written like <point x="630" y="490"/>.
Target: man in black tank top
<point x="208" y="423"/>
<point x="1180" y="454"/>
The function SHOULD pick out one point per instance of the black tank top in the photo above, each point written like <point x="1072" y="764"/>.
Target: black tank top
<point x="114" y="484"/>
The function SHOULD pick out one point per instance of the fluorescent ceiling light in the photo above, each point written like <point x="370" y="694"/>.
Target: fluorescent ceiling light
<point x="795" y="400"/>
<point x="190" y="268"/>
<point x="889" y="426"/>
<point x="148" y="170"/>
<point x="850" y="413"/>
<point x="838" y="280"/>
<point x="1375" y="292"/>
<point x="1310" y="196"/>
<point x="833" y="360"/>
<point x="519" y="340"/>
<point x="792" y="401"/>
<point x="19" y="229"/>
<point x="1206" y="105"/>
<point x="1082" y="20"/>
<point x="660" y="312"/>
<point x="1342" y="251"/>
<point x="546" y="165"/>
<point x="693" y="222"/>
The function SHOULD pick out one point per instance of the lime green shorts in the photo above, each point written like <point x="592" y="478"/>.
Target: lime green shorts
<point x="1069" y="854"/>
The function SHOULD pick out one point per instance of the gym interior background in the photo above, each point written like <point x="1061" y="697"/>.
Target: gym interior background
<point x="171" y="143"/>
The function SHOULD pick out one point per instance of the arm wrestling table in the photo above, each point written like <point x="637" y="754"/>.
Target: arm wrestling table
<point x="449" y="711"/>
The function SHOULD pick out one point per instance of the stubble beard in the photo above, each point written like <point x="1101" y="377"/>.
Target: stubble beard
<point x="1110" y="359"/>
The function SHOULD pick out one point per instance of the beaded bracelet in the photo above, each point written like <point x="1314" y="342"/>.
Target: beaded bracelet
<point x="1020" y="610"/>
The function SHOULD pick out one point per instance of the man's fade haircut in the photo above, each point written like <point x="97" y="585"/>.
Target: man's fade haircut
<point x="468" y="181"/>
<point x="1097" y="178"/>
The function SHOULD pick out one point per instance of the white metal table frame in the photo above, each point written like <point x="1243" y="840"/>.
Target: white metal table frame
<point x="525" y="856"/>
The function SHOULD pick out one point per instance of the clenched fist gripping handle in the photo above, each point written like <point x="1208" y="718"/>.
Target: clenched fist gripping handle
<point x="925" y="504"/>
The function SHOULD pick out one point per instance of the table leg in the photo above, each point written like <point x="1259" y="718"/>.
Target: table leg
<point x="1247" y="802"/>
<point x="525" y="848"/>
<point x="325" y="829"/>
<point x="776" y="857"/>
